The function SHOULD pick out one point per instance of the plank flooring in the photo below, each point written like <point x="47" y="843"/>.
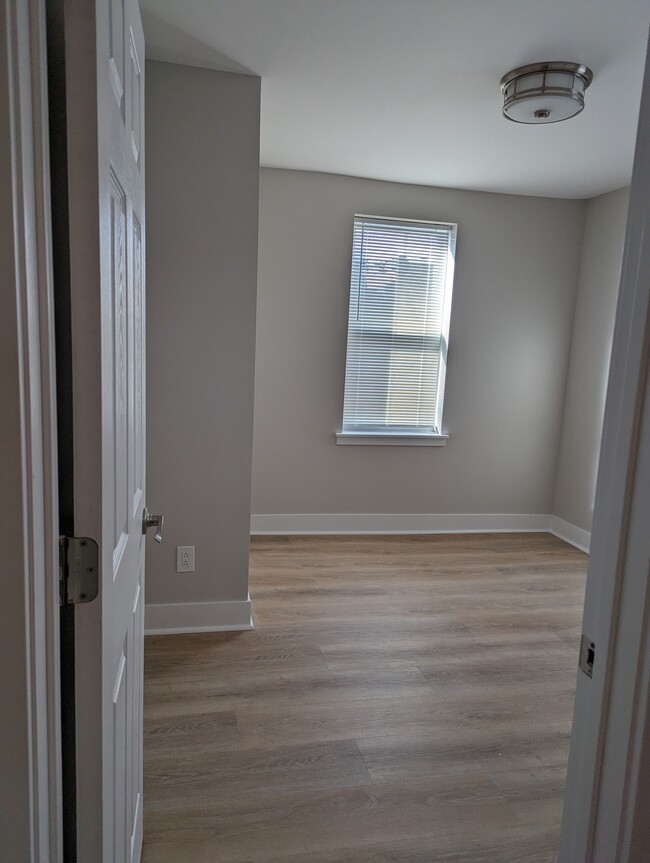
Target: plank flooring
<point x="401" y="700"/>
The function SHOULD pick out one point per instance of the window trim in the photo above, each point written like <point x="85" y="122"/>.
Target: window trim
<point x="388" y="439"/>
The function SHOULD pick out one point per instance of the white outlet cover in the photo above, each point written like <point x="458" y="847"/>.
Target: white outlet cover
<point x="184" y="558"/>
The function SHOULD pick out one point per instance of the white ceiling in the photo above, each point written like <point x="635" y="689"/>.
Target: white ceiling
<point x="408" y="90"/>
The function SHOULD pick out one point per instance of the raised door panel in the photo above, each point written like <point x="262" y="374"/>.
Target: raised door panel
<point x="136" y="98"/>
<point x="117" y="53"/>
<point x="120" y="362"/>
<point x="121" y="731"/>
<point x="136" y="402"/>
<point x="135" y="718"/>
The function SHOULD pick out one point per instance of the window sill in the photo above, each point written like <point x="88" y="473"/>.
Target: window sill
<point x="361" y="439"/>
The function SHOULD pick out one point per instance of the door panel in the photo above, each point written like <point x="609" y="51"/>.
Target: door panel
<point x="138" y="333"/>
<point x="136" y="97"/>
<point x="120" y="742"/>
<point x="104" y="110"/>
<point x="120" y="371"/>
<point x="116" y="50"/>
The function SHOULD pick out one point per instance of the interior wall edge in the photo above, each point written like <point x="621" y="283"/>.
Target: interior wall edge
<point x="202" y="155"/>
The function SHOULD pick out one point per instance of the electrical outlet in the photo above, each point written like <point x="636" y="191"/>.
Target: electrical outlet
<point x="184" y="558"/>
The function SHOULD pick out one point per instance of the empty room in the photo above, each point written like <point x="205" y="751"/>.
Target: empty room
<point x="427" y="332"/>
<point x="326" y="431"/>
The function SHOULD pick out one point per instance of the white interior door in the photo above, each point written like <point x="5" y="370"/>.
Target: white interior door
<point x="104" y="58"/>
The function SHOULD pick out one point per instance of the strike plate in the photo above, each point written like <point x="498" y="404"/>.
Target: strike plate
<point x="587" y="655"/>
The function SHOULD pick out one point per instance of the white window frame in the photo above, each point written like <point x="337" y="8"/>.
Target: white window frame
<point x="403" y="436"/>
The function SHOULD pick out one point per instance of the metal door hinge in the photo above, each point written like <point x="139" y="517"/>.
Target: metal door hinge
<point x="587" y="655"/>
<point x="78" y="569"/>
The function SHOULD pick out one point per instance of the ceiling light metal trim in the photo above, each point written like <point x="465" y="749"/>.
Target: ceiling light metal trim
<point x="546" y="92"/>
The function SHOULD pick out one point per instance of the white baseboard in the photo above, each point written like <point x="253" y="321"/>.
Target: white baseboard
<point x="570" y="533"/>
<point x="395" y="523"/>
<point x="167" y="619"/>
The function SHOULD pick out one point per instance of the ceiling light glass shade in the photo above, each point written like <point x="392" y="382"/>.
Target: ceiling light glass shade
<point x="545" y="92"/>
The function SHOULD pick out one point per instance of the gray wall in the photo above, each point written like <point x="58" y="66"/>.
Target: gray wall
<point x="515" y="288"/>
<point x="202" y="156"/>
<point x="593" y="328"/>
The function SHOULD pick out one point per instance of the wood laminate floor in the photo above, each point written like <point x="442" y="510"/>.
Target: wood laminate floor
<point x="401" y="700"/>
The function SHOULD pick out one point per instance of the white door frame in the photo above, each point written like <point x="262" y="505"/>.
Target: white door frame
<point x="610" y="715"/>
<point x="30" y="776"/>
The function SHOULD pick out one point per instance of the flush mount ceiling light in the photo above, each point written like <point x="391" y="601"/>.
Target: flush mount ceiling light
<point x="545" y="92"/>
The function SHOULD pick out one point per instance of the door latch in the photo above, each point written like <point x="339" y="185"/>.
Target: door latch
<point x="78" y="569"/>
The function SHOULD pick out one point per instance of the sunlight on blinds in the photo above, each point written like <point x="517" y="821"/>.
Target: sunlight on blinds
<point x="400" y="301"/>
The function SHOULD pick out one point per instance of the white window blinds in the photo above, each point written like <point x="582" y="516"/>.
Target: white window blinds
<point x="400" y="303"/>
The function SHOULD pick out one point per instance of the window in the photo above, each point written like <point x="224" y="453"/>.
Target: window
<point x="400" y="303"/>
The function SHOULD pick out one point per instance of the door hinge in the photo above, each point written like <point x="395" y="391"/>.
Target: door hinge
<point x="78" y="569"/>
<point x="587" y="655"/>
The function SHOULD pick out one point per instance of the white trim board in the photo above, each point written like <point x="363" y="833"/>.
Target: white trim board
<point x="30" y="770"/>
<point x="369" y="523"/>
<point x="570" y="533"/>
<point x="319" y="524"/>
<point x="172" y="618"/>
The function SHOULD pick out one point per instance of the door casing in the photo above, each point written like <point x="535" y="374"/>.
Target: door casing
<point x="611" y="708"/>
<point x="30" y="749"/>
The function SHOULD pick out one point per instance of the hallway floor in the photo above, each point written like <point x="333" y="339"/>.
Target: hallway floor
<point x="401" y="700"/>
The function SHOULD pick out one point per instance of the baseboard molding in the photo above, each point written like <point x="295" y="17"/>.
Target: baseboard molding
<point x="234" y="616"/>
<point x="396" y="523"/>
<point x="167" y="619"/>
<point x="570" y="533"/>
